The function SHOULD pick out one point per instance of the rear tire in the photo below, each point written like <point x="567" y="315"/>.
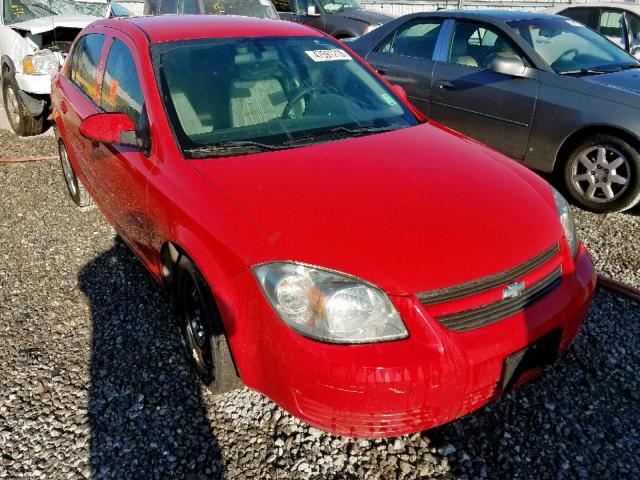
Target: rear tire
<point x="77" y="191"/>
<point x="22" y="122"/>
<point x="202" y="330"/>
<point x="602" y="174"/>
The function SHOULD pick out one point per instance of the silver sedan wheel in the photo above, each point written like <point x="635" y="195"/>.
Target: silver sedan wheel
<point x="601" y="173"/>
<point x="69" y="174"/>
<point x="13" y="107"/>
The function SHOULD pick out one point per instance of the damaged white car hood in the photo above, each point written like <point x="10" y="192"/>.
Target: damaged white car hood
<point x="46" y="24"/>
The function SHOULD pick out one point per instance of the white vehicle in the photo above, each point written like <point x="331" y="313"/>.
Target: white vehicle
<point x="35" y="36"/>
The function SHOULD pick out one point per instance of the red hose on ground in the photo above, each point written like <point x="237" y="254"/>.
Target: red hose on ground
<point x="619" y="287"/>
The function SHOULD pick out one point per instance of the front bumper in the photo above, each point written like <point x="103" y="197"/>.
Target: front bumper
<point x="34" y="84"/>
<point x="393" y="388"/>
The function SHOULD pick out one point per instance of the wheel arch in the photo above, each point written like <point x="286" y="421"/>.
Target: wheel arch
<point x="580" y="135"/>
<point x="187" y="244"/>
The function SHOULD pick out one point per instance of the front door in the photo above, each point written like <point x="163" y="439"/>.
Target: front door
<point x="405" y="58"/>
<point x="123" y="171"/>
<point x="490" y="107"/>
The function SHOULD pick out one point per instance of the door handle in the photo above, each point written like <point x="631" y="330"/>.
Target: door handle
<point x="380" y="70"/>
<point x="446" y="85"/>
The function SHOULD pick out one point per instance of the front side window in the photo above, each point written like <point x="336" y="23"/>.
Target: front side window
<point x="476" y="45"/>
<point x="121" y="90"/>
<point x="84" y="66"/>
<point x="335" y="6"/>
<point x="248" y="94"/>
<point x="415" y="39"/>
<point x="611" y="26"/>
<point x="15" y="11"/>
<point x="570" y="48"/>
<point x="247" y="8"/>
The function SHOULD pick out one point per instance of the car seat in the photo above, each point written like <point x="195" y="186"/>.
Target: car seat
<point x="257" y="94"/>
<point x="459" y="53"/>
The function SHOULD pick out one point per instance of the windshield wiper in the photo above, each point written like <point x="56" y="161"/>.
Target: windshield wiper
<point x="335" y="133"/>
<point x="586" y="71"/>
<point x="227" y="149"/>
<point x="369" y="129"/>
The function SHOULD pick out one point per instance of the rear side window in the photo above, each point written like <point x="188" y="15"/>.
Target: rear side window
<point x="84" y="63"/>
<point x="121" y="90"/>
<point x="610" y="24"/>
<point x="414" y="39"/>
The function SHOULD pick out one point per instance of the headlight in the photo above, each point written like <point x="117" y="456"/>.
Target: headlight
<point x="44" y="62"/>
<point x="566" y="219"/>
<point x="370" y="28"/>
<point x="329" y="306"/>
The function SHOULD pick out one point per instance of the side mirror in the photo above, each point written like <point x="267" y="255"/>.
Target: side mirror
<point x="635" y="51"/>
<point x="509" y="66"/>
<point x="399" y="91"/>
<point x="312" y="11"/>
<point x="117" y="128"/>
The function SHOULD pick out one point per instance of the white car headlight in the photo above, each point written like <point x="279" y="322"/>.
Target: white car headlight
<point x="43" y="62"/>
<point x="566" y="219"/>
<point x="329" y="306"/>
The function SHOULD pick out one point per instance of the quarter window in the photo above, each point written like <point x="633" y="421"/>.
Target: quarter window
<point x="477" y="46"/>
<point x="84" y="65"/>
<point x="588" y="16"/>
<point x="415" y="39"/>
<point x="121" y="90"/>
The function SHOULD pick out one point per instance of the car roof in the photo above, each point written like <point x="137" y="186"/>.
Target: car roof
<point x="167" y="28"/>
<point x="495" y="15"/>
<point x="620" y="6"/>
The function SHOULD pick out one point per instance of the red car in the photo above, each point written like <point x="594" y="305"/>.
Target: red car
<point x="371" y="272"/>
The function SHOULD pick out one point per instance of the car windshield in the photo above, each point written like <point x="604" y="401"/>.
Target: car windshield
<point x="247" y="8"/>
<point x="570" y="48"/>
<point x="15" y="11"/>
<point x="245" y="95"/>
<point x="333" y="6"/>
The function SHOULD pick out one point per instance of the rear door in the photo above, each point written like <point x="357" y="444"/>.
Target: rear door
<point x="405" y="57"/>
<point x="493" y="108"/>
<point x="79" y="99"/>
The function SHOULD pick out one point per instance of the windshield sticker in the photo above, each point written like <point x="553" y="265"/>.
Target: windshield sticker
<point x="265" y="3"/>
<point x="327" y="55"/>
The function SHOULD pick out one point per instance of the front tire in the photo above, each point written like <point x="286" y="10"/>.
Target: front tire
<point x="202" y="330"/>
<point x="22" y="122"/>
<point x="602" y="174"/>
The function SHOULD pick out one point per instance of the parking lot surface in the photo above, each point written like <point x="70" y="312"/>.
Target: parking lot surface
<point x="94" y="382"/>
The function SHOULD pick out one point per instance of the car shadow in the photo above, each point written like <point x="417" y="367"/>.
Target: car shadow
<point x="137" y="429"/>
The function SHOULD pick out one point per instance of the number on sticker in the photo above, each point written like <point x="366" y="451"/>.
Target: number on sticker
<point x="327" y="55"/>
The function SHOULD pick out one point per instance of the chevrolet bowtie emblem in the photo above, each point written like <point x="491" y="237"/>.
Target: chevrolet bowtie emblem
<point x="514" y="290"/>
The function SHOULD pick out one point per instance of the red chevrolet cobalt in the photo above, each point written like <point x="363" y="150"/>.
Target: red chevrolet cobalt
<point x="371" y="272"/>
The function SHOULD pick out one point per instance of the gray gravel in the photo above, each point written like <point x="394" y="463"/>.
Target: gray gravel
<point x="94" y="382"/>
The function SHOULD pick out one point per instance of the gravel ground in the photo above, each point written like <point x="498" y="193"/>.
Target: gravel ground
<point x="94" y="382"/>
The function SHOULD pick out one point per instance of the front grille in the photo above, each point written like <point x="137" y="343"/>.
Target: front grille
<point x="487" y="283"/>
<point x="493" y="312"/>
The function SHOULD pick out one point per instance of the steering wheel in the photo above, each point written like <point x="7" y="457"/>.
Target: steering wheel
<point x="566" y="54"/>
<point x="297" y="97"/>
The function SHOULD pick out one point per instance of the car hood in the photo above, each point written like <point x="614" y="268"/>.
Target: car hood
<point x="46" y="24"/>
<point x="625" y="80"/>
<point x="410" y="210"/>
<point x="366" y="16"/>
